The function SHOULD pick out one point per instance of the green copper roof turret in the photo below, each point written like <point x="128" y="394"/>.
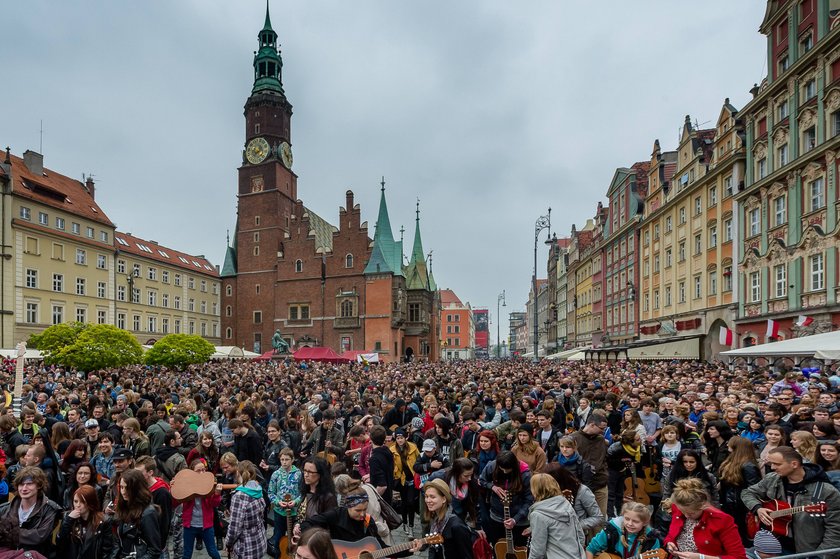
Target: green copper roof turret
<point x="417" y="274"/>
<point x="229" y="267"/>
<point x="268" y="64"/>
<point x="386" y="255"/>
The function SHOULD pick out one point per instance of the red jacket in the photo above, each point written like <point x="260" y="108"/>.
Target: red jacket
<point x="716" y="534"/>
<point x="208" y="504"/>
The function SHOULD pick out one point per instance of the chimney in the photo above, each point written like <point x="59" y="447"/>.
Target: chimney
<point x="8" y="160"/>
<point x="349" y="197"/>
<point x="91" y="187"/>
<point x="34" y="161"/>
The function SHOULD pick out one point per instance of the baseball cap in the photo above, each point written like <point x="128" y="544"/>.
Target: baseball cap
<point x="90" y="423"/>
<point x="429" y="444"/>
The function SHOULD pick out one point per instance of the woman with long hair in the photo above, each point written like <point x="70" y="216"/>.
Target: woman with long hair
<point x="716" y="437"/>
<point x="60" y="437"/>
<point x="774" y="437"/>
<point x="246" y="532"/>
<point x="689" y="464"/>
<point x="506" y="478"/>
<point x="138" y="531"/>
<point x="86" y="533"/>
<point x="315" y="543"/>
<point x="207" y="450"/>
<point x="556" y="532"/>
<point x="76" y="453"/>
<point x="739" y="471"/>
<point x="271" y="451"/>
<point x="488" y="451"/>
<point x="824" y="430"/>
<point x="317" y="490"/>
<point x="347" y="486"/>
<point x="349" y="521"/>
<point x="463" y="486"/>
<point x="805" y="444"/>
<point x="697" y="527"/>
<point x="632" y="420"/>
<point x="405" y="454"/>
<point x="527" y="450"/>
<point x="135" y="439"/>
<point x="828" y="457"/>
<point x="583" y="500"/>
<point x="82" y="474"/>
<point x="457" y="536"/>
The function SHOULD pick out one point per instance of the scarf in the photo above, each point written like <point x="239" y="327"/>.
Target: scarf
<point x="570" y="461"/>
<point x="438" y="526"/>
<point x="635" y="452"/>
<point x="458" y="492"/>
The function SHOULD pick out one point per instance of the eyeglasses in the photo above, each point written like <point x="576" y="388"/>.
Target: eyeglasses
<point x="310" y="472"/>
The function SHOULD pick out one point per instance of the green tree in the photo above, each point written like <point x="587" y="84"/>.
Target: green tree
<point x="179" y="351"/>
<point x="55" y="338"/>
<point x="101" y="346"/>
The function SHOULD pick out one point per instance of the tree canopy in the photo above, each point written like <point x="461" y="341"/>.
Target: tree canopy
<point x="55" y="338"/>
<point x="100" y="346"/>
<point x="179" y="351"/>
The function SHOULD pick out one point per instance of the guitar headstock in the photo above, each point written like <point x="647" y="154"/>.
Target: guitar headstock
<point x="433" y="539"/>
<point x="506" y="500"/>
<point x="567" y="493"/>
<point x="660" y="553"/>
<point x="816" y="509"/>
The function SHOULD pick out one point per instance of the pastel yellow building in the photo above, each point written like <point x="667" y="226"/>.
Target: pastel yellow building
<point x="63" y="261"/>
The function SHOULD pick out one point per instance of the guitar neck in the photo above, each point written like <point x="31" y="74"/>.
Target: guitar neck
<point x="508" y="532"/>
<point x="787" y="512"/>
<point x="399" y="548"/>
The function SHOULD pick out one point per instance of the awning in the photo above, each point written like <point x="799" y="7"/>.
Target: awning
<point x="686" y="348"/>
<point x="577" y="356"/>
<point x="323" y="354"/>
<point x="562" y="355"/>
<point x="821" y="346"/>
<point x="28" y="354"/>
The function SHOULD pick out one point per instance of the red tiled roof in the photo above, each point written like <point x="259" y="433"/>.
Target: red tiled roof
<point x="448" y="297"/>
<point x="125" y="242"/>
<point x="564" y="242"/>
<point x="57" y="191"/>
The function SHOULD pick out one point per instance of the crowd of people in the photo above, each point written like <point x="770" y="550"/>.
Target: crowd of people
<point x="565" y="460"/>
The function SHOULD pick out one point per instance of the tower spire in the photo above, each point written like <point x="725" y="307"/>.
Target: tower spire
<point x="268" y="64"/>
<point x="386" y="255"/>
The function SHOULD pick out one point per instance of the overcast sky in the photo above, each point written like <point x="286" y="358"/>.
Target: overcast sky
<point x="490" y="111"/>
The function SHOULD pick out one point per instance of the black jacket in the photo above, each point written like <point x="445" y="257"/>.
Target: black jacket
<point x="144" y="538"/>
<point x="457" y="541"/>
<point x="382" y="470"/>
<point x="248" y="447"/>
<point x="96" y="545"/>
<point x="36" y="533"/>
<point x="341" y="526"/>
<point x="552" y="447"/>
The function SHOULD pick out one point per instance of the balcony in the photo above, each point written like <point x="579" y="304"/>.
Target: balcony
<point x="347" y="322"/>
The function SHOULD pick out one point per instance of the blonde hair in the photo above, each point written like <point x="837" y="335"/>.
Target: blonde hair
<point x="568" y="442"/>
<point x="230" y="459"/>
<point x="247" y="471"/>
<point x="644" y="514"/>
<point x="543" y="486"/>
<point x="808" y="446"/>
<point x="689" y="493"/>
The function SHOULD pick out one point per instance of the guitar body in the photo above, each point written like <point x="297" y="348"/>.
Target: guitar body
<point x="351" y="550"/>
<point x="188" y="484"/>
<point x="781" y="524"/>
<point x="652" y="484"/>
<point x="502" y="551"/>
<point x="328" y="456"/>
<point x="634" y="487"/>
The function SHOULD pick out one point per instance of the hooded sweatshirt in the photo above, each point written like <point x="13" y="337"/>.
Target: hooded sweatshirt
<point x="556" y="532"/>
<point x="603" y="542"/>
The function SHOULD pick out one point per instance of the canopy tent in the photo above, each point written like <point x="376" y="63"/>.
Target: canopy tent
<point x="821" y="346"/>
<point x="323" y="354"/>
<point x="12" y="354"/>
<point x="579" y="355"/>
<point x="361" y="356"/>
<point x="233" y="352"/>
<point x="685" y="348"/>
<point x="567" y="354"/>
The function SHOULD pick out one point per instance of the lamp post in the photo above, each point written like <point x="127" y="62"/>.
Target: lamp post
<point x="543" y="222"/>
<point x="499" y="299"/>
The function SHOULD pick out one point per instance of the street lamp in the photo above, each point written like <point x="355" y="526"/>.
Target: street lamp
<point x="543" y="222"/>
<point x="499" y="299"/>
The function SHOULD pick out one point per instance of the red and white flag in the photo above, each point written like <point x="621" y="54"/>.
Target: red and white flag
<point x="804" y="320"/>
<point x="726" y="336"/>
<point x="772" y="329"/>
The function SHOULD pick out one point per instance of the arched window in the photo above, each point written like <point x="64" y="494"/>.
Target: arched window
<point x="228" y="311"/>
<point x="228" y="333"/>
<point x="348" y="261"/>
<point x="347" y="308"/>
<point x="298" y="265"/>
<point x="229" y="290"/>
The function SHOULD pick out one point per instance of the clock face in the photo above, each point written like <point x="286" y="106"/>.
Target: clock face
<point x="286" y="154"/>
<point x="257" y="150"/>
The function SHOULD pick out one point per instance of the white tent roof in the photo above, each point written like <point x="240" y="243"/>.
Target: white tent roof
<point x="821" y="346"/>
<point x="567" y="354"/>
<point x="686" y="348"/>
<point x="12" y="354"/>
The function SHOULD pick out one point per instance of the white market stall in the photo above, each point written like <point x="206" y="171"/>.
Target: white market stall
<point x="819" y="346"/>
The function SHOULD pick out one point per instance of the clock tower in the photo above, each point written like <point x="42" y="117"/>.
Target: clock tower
<point x="267" y="193"/>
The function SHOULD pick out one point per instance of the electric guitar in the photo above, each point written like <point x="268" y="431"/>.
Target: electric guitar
<point x="286" y="546"/>
<point x="505" y="548"/>
<point x="781" y="515"/>
<point x="368" y="548"/>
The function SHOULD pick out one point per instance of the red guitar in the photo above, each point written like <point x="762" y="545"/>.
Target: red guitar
<point x="781" y="514"/>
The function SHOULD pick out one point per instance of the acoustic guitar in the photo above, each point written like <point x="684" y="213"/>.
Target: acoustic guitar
<point x="188" y="484"/>
<point x="505" y="548"/>
<point x="652" y="554"/>
<point x="368" y="548"/>
<point x="286" y="544"/>
<point x="651" y="482"/>
<point x="633" y="489"/>
<point x="782" y="514"/>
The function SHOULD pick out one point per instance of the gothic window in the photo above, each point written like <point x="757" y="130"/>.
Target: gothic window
<point x="347" y="309"/>
<point x="228" y="290"/>
<point x="348" y="261"/>
<point x="298" y="265"/>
